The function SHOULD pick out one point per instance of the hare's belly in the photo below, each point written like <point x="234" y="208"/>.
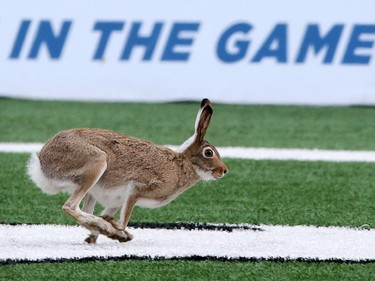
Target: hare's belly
<point x="113" y="197"/>
<point x="155" y="202"/>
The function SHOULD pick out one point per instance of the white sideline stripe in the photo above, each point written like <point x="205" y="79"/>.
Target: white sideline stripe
<point x="55" y="242"/>
<point x="247" y="153"/>
<point x="20" y="147"/>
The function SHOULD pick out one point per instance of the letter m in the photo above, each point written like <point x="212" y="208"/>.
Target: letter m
<point x="53" y="42"/>
<point x="313" y="39"/>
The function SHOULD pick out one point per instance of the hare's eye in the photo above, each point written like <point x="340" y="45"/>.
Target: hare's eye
<point x="208" y="153"/>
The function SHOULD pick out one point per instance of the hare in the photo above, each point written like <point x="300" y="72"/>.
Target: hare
<point x="121" y="172"/>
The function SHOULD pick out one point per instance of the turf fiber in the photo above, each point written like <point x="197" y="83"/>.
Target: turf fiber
<point x="270" y="192"/>
<point x="172" y="123"/>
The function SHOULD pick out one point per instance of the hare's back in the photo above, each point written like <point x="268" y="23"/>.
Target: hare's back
<point x="70" y="150"/>
<point x="78" y="144"/>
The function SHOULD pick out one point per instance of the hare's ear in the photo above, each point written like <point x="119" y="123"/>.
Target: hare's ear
<point x="203" y="120"/>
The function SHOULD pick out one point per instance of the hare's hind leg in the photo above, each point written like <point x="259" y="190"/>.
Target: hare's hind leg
<point x="88" y="207"/>
<point x="92" y="172"/>
<point x="89" y="203"/>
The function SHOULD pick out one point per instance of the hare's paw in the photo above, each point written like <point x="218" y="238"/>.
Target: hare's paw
<point x="112" y="221"/>
<point x="91" y="239"/>
<point x="121" y="236"/>
<point x="130" y="236"/>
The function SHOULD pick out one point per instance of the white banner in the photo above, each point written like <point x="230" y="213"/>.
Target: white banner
<point x="282" y="52"/>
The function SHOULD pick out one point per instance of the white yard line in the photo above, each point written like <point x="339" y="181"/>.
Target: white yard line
<point x="247" y="153"/>
<point x="11" y="147"/>
<point x="22" y="243"/>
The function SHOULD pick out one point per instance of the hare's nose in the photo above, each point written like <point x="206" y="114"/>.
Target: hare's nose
<point x="225" y="171"/>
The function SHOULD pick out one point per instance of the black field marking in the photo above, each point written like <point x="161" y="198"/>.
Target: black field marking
<point x="175" y="226"/>
<point x="194" y="226"/>
<point x="190" y="258"/>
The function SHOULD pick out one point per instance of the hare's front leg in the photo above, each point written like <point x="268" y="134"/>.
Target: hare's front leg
<point x="108" y="215"/>
<point x="126" y="212"/>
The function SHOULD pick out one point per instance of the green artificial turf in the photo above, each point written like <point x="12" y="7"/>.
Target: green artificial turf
<point x="172" y="123"/>
<point x="256" y="192"/>
<point x="184" y="270"/>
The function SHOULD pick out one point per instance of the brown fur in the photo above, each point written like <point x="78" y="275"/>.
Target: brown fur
<point x="106" y="160"/>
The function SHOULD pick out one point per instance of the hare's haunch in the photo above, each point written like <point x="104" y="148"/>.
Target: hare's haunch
<point x="120" y="172"/>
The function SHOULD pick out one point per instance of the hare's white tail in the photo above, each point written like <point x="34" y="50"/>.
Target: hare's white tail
<point x="47" y="185"/>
